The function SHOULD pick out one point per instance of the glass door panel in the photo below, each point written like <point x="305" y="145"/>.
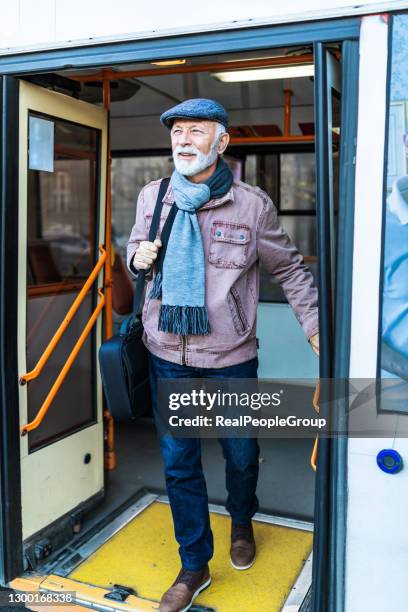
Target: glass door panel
<point x="61" y="252"/>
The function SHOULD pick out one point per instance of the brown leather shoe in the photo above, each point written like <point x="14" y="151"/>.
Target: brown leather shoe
<point x="243" y="546"/>
<point x="185" y="588"/>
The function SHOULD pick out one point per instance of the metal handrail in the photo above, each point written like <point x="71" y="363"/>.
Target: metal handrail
<point x="61" y="377"/>
<point x="316" y="397"/>
<point x="36" y="371"/>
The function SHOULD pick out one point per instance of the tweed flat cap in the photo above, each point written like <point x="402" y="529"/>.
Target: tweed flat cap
<point x="196" y="108"/>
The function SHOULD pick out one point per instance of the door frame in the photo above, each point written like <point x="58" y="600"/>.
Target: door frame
<point x="329" y="554"/>
<point x="11" y="545"/>
<point x="331" y="474"/>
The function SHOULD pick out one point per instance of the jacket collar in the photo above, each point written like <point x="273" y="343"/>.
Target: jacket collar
<point x="227" y="197"/>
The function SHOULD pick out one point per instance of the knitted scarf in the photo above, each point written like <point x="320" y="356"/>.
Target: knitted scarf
<point x="180" y="268"/>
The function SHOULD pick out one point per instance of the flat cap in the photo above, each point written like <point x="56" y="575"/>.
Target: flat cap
<point x="196" y="108"/>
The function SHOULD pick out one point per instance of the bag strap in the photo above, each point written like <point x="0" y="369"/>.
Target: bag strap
<point x="140" y="282"/>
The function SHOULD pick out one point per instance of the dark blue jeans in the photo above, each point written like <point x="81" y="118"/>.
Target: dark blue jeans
<point x="185" y="483"/>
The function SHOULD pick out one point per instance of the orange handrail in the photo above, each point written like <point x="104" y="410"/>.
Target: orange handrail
<point x="316" y="397"/>
<point x="61" y="376"/>
<point x="60" y="331"/>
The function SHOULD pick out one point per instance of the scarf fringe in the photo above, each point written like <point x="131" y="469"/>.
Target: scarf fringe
<point x="184" y="320"/>
<point x="155" y="291"/>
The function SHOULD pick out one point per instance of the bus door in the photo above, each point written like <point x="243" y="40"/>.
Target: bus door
<point x="60" y="228"/>
<point x="336" y="100"/>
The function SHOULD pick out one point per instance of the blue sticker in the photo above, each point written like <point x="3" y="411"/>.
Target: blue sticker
<point x="389" y="461"/>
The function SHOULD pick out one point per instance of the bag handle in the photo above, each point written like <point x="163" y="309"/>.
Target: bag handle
<point x="140" y="282"/>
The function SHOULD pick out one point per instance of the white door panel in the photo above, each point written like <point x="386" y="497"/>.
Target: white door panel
<point x="56" y="476"/>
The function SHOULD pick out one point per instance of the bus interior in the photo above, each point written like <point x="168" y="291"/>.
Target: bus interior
<point x="96" y="515"/>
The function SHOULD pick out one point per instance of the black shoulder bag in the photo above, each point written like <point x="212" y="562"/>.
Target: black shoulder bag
<point x="123" y="359"/>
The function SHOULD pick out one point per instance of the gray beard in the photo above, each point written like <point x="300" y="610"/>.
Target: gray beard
<point x="200" y="163"/>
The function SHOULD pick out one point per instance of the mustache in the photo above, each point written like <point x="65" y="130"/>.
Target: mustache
<point x="186" y="149"/>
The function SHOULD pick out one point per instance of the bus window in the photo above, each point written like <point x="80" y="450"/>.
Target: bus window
<point x="129" y="176"/>
<point x="394" y="323"/>
<point x="289" y="179"/>
<point x="61" y="235"/>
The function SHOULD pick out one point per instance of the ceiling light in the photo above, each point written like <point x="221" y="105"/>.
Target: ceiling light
<point x="263" y="74"/>
<point x="175" y="62"/>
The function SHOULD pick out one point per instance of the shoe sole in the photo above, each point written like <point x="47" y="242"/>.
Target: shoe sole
<point x="198" y="591"/>
<point x="242" y="567"/>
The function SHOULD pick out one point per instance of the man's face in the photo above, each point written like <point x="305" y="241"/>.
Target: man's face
<point x="196" y="145"/>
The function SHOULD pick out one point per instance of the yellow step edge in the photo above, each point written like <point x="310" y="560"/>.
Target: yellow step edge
<point x="86" y="594"/>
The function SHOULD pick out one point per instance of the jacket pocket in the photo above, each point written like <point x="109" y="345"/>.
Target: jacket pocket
<point x="239" y="317"/>
<point x="229" y="244"/>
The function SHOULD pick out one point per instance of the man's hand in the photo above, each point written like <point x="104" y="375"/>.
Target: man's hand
<point x="146" y="253"/>
<point x="314" y="341"/>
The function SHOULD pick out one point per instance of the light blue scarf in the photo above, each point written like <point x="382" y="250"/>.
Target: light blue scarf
<point x="181" y="281"/>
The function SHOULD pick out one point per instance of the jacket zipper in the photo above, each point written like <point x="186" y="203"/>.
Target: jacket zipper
<point x="183" y="350"/>
<point x="237" y="308"/>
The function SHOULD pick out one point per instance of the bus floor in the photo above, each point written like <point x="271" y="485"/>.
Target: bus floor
<point x="286" y="489"/>
<point x="143" y="555"/>
<point x="128" y="539"/>
<point x="129" y="563"/>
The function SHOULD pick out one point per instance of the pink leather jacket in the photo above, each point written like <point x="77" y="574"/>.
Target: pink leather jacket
<point x="238" y="230"/>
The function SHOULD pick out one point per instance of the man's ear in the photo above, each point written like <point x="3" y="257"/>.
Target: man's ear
<point x="223" y="142"/>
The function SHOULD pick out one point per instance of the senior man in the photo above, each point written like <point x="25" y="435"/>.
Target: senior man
<point x="200" y="319"/>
